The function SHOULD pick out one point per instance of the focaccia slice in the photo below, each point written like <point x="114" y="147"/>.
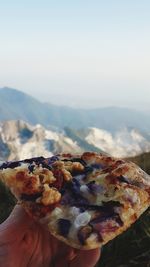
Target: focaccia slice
<point x="86" y="200"/>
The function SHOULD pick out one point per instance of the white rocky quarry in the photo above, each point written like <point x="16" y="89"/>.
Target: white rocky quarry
<point x="20" y="140"/>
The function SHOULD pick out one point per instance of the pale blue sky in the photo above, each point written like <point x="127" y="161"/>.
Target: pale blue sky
<point x="80" y="53"/>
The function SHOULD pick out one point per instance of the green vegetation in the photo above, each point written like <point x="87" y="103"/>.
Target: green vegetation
<point x="143" y="161"/>
<point x="131" y="249"/>
<point x="7" y="202"/>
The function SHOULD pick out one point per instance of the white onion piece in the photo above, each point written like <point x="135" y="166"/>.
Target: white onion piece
<point x="75" y="211"/>
<point x="82" y="219"/>
<point x="84" y="188"/>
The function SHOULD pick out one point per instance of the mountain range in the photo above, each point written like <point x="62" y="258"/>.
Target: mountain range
<point x="15" y="105"/>
<point x="20" y="140"/>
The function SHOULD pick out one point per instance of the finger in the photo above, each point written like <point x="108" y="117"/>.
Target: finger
<point x="82" y="259"/>
<point x="64" y="255"/>
<point x="15" y="224"/>
<point x="86" y="258"/>
<point x="72" y="254"/>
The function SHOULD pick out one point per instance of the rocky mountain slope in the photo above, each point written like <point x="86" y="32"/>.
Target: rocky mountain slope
<point x="19" y="140"/>
<point x="123" y="143"/>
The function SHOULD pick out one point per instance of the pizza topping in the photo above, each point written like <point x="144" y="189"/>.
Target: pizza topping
<point x="102" y="217"/>
<point x="80" y="177"/>
<point x="123" y="179"/>
<point x="31" y="168"/>
<point x="131" y="196"/>
<point x="77" y="167"/>
<point x="45" y="175"/>
<point x="74" y="200"/>
<point x="80" y="160"/>
<point x="97" y="166"/>
<point x="95" y="188"/>
<point x="59" y="179"/>
<point x="106" y="226"/>
<point x="64" y="226"/>
<point x="93" y="237"/>
<point x="58" y="164"/>
<point x="82" y="219"/>
<point x="84" y="189"/>
<point x="74" y="211"/>
<point x="74" y="186"/>
<point x="50" y="195"/>
<point x="57" y="212"/>
<point x="66" y="175"/>
<point x="37" y="160"/>
<point x="73" y="166"/>
<point x="48" y="177"/>
<point x="52" y="159"/>
<point x="27" y="183"/>
<point x="60" y="171"/>
<point x="107" y="206"/>
<point x="88" y="169"/>
<point x="10" y="164"/>
<point x="84" y="233"/>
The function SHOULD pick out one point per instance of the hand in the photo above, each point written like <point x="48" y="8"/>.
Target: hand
<point x="25" y="243"/>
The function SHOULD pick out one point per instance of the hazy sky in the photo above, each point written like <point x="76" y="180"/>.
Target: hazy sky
<point x="80" y="53"/>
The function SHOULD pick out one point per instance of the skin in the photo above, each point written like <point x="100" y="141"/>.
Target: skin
<point x="24" y="243"/>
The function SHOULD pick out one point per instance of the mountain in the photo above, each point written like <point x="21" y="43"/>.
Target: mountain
<point x="16" y="105"/>
<point x="123" y="143"/>
<point x="19" y="140"/>
<point x="126" y="142"/>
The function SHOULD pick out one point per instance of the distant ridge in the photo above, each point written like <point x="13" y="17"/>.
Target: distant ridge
<point x="15" y="104"/>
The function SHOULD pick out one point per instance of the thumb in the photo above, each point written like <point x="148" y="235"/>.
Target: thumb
<point x="16" y="224"/>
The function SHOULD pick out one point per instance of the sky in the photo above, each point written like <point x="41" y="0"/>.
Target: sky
<point x="79" y="53"/>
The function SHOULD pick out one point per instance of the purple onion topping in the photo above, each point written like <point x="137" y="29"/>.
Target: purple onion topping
<point x="106" y="207"/>
<point x="64" y="226"/>
<point x="79" y="160"/>
<point x="53" y="159"/>
<point x="74" y="200"/>
<point x="31" y="168"/>
<point x="79" y="177"/>
<point x="10" y="164"/>
<point x="88" y="169"/>
<point x="97" y="166"/>
<point x="107" y="216"/>
<point x="37" y="160"/>
<point x="95" y="188"/>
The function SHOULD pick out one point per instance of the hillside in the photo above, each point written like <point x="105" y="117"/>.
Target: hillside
<point x="143" y="161"/>
<point x="15" y="105"/>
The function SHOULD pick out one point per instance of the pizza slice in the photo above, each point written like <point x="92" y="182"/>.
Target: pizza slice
<point x="86" y="200"/>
